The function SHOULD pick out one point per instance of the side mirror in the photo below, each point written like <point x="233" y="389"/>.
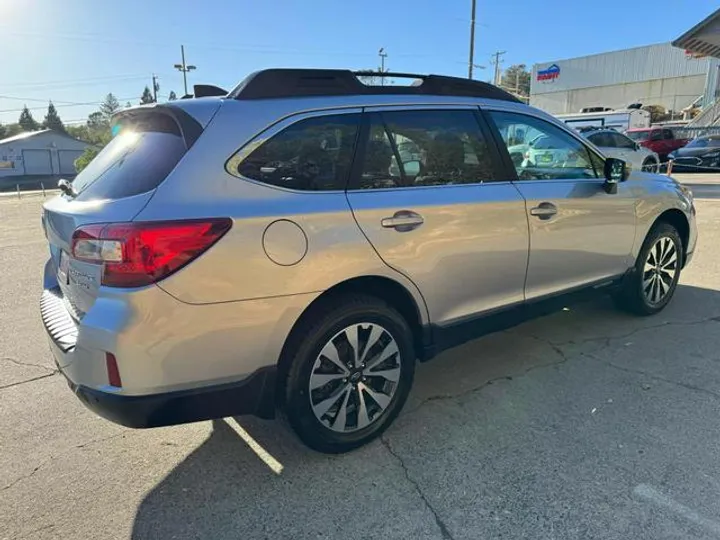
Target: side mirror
<point x="412" y="168"/>
<point x="637" y="146"/>
<point x="615" y="171"/>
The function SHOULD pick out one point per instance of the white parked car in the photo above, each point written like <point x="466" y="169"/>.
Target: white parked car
<point x="616" y="145"/>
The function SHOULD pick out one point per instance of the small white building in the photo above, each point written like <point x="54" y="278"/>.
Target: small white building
<point x="40" y="153"/>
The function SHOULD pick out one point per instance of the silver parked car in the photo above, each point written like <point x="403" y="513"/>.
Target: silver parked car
<point x="301" y="241"/>
<point x="614" y="144"/>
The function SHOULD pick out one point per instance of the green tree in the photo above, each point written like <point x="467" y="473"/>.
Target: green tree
<point x="79" y="132"/>
<point x="12" y="129"/>
<point x="52" y="119"/>
<point x="26" y="120"/>
<point x="98" y="129"/>
<point x="517" y="79"/>
<point x="172" y="96"/>
<point x="110" y="106"/>
<point x="86" y="157"/>
<point x="2" y="132"/>
<point x="146" y="97"/>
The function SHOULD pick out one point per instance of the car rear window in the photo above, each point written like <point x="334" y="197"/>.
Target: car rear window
<point x="135" y="161"/>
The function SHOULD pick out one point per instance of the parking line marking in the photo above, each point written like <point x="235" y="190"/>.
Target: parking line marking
<point x="651" y="494"/>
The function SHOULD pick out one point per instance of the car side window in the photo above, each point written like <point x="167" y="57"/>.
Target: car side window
<point x="656" y="135"/>
<point x="425" y="148"/>
<point x="621" y="141"/>
<point x="667" y="134"/>
<point x="314" y="154"/>
<point x="541" y="151"/>
<point x="603" y="140"/>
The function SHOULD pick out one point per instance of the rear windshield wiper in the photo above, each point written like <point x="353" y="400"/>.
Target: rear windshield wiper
<point x="67" y="188"/>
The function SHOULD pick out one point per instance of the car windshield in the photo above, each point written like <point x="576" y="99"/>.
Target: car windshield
<point x="638" y="135"/>
<point x="704" y="142"/>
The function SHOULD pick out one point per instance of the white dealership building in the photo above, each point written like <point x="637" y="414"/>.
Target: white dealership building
<point x="652" y="75"/>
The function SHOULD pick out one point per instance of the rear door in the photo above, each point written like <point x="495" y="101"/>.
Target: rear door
<point x="114" y="187"/>
<point x="626" y="149"/>
<point x="605" y="143"/>
<point x="578" y="233"/>
<point x="429" y="194"/>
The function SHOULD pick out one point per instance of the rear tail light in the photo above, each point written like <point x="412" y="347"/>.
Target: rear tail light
<point x="136" y="254"/>
<point x="113" y="372"/>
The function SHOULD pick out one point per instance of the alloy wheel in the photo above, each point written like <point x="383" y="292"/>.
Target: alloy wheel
<point x="650" y="166"/>
<point x="661" y="267"/>
<point x="354" y="378"/>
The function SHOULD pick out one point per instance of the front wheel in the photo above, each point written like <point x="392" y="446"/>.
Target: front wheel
<point x="350" y="373"/>
<point x="650" y="165"/>
<point x="651" y="285"/>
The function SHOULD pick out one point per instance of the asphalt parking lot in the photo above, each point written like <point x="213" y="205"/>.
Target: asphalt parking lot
<point x="587" y="423"/>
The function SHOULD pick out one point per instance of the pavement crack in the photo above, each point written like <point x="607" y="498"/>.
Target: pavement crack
<point x="607" y="340"/>
<point x="24" y="477"/>
<point x="54" y="372"/>
<point x="28" y="364"/>
<point x="652" y="376"/>
<point x="60" y="454"/>
<point x="438" y="520"/>
<point x="442" y="397"/>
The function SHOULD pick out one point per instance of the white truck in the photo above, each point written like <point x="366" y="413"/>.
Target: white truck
<point x="619" y="120"/>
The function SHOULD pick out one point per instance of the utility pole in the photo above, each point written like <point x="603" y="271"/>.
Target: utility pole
<point x="382" y="54"/>
<point x="472" y="42"/>
<point x="496" y="61"/>
<point x="184" y="67"/>
<point x="155" y="87"/>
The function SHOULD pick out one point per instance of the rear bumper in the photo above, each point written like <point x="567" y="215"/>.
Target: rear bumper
<point x="254" y="395"/>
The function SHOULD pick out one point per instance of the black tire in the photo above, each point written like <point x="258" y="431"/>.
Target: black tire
<point x="650" y="165"/>
<point x="632" y="297"/>
<point x="304" y="348"/>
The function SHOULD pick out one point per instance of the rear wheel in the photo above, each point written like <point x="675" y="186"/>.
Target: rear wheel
<point x="656" y="274"/>
<point x="350" y="373"/>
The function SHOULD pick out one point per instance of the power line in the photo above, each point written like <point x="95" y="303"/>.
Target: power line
<point x="76" y="82"/>
<point x="65" y="105"/>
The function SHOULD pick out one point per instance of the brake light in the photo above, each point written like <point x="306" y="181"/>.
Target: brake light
<point x="113" y="372"/>
<point x="140" y="253"/>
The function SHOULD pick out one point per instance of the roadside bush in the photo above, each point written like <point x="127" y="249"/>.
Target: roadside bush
<point x="86" y="157"/>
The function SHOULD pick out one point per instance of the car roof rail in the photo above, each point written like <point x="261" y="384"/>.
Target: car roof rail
<point x="285" y="83"/>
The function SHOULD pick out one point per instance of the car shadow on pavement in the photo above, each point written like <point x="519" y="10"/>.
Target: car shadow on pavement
<point x="253" y="479"/>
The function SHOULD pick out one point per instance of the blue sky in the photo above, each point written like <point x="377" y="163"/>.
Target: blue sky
<point x="75" y="51"/>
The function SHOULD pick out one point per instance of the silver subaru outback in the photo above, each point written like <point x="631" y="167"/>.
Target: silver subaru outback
<point x="299" y="242"/>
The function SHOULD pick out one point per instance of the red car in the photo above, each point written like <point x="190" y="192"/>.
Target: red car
<point x="662" y="141"/>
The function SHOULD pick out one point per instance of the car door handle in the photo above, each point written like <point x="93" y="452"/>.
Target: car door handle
<point x="403" y="221"/>
<point x="544" y="210"/>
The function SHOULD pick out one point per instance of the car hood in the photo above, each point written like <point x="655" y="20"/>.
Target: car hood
<point x="695" y="152"/>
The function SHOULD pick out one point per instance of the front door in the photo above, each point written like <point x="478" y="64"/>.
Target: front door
<point x="578" y="233"/>
<point x="429" y="195"/>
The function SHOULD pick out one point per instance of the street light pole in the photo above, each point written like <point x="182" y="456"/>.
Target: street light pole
<point x="382" y="54"/>
<point x="184" y="68"/>
<point x="472" y="41"/>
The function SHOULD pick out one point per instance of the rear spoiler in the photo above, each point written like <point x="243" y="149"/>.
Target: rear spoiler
<point x="206" y="90"/>
<point x="189" y="128"/>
